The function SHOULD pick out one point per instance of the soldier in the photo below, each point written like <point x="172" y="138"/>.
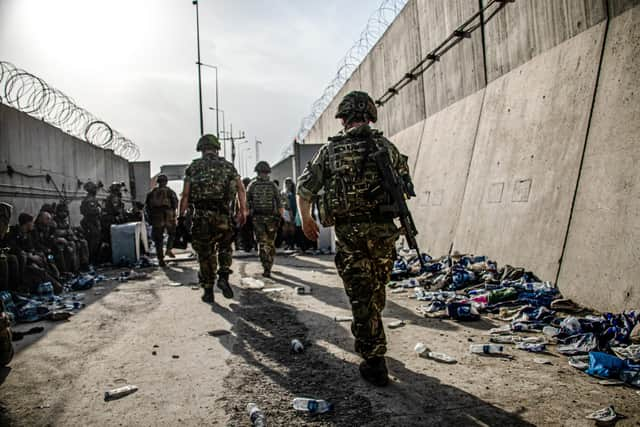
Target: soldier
<point x="90" y="223"/>
<point x="161" y="205"/>
<point x="212" y="184"/>
<point x="266" y="211"/>
<point x="113" y="211"/>
<point x="364" y="229"/>
<point x="247" y="241"/>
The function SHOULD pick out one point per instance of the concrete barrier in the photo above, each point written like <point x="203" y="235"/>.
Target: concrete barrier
<point x="34" y="149"/>
<point x="440" y="173"/>
<point x="600" y="266"/>
<point x="527" y="157"/>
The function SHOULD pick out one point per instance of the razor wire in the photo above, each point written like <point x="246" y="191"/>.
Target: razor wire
<point x="377" y="24"/>
<point x="34" y="96"/>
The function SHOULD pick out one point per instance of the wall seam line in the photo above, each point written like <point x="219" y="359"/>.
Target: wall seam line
<point x="475" y="135"/>
<point x="586" y="139"/>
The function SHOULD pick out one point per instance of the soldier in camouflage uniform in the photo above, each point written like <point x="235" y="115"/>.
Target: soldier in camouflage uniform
<point x="113" y="211"/>
<point x="9" y="265"/>
<point x="161" y="205"/>
<point x="90" y="209"/>
<point x="78" y="246"/>
<point x="265" y="207"/>
<point x="211" y="185"/>
<point x="365" y="230"/>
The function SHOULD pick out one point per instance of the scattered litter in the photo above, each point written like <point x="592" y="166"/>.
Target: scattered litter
<point x="156" y="346"/>
<point x="175" y="284"/>
<point x="252" y="283"/>
<point x="218" y="332"/>
<point x="579" y="362"/>
<point x="119" y="392"/>
<point x="542" y="361"/>
<point x="398" y="291"/>
<point x="312" y="406"/>
<point x="256" y="415"/>
<point x="175" y="356"/>
<point x="296" y="346"/>
<point x="605" y="415"/>
<point x="195" y="287"/>
<point x="486" y="349"/>
<point x="532" y="347"/>
<point x="420" y="349"/>
<point x="441" y="357"/>
<point x="269" y="290"/>
<point x="396" y="324"/>
<point x="343" y="318"/>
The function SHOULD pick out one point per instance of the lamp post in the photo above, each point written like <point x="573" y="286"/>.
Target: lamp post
<point x="258" y="144"/>
<point x="195" y="2"/>
<point x="216" y="109"/>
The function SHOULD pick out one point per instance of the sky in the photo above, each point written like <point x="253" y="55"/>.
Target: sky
<point x="132" y="63"/>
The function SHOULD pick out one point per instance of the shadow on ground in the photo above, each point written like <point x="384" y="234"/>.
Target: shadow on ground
<point x="265" y="372"/>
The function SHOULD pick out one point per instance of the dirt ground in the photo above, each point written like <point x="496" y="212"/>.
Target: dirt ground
<point x="210" y="361"/>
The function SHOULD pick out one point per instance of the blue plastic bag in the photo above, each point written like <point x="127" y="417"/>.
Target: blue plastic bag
<point x="604" y="365"/>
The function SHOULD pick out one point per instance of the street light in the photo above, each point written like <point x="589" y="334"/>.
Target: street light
<point x="195" y="2"/>
<point x="216" y="109"/>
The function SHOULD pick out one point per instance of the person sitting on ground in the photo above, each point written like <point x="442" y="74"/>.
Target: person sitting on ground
<point x="9" y="267"/>
<point x="34" y="267"/>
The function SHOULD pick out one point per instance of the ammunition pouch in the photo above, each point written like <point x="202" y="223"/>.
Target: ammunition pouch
<point x="327" y="218"/>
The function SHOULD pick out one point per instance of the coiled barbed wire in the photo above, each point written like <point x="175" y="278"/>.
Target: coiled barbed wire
<point x="377" y="24"/>
<point x="32" y="95"/>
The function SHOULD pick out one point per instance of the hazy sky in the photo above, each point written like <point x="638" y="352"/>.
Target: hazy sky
<point x="132" y="62"/>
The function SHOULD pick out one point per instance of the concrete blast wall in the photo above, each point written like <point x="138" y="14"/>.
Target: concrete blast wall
<point x="34" y="149"/>
<point x="523" y="139"/>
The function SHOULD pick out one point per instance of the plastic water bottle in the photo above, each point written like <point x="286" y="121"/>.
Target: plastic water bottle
<point x="486" y="348"/>
<point x="257" y="416"/>
<point x="312" y="406"/>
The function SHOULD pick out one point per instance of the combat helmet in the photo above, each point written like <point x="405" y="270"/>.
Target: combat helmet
<point x="115" y="187"/>
<point x="262" y="167"/>
<point x="90" y="187"/>
<point x="357" y="103"/>
<point x="208" y="141"/>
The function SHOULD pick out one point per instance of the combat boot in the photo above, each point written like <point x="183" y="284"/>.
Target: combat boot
<point x="223" y="285"/>
<point x="207" y="296"/>
<point x="266" y="272"/>
<point x="374" y="370"/>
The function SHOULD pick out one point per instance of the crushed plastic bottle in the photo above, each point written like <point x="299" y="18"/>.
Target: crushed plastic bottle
<point x="256" y="415"/>
<point x="420" y="349"/>
<point x="119" y="392"/>
<point x="296" y="346"/>
<point x="486" y="349"/>
<point x="313" y="406"/>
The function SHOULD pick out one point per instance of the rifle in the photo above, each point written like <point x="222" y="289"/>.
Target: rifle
<point x="400" y="191"/>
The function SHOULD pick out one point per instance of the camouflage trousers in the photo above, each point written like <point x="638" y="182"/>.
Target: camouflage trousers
<point x="212" y="235"/>
<point x="364" y="259"/>
<point x="91" y="229"/>
<point x="265" y="230"/>
<point x="161" y="220"/>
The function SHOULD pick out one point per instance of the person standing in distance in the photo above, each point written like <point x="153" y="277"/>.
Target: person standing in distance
<point x="91" y="210"/>
<point x="364" y="226"/>
<point x="212" y="185"/>
<point x="161" y="205"/>
<point x="263" y="198"/>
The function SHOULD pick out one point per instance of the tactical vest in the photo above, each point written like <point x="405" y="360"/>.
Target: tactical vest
<point x="90" y="207"/>
<point x="160" y="198"/>
<point x="211" y="182"/>
<point x="263" y="193"/>
<point x="353" y="181"/>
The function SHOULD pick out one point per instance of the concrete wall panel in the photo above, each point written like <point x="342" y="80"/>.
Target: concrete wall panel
<point x="527" y="157"/>
<point x="526" y="28"/>
<point x="600" y="265"/>
<point x="460" y="71"/>
<point x="440" y="172"/>
<point x="617" y="7"/>
<point x="34" y="147"/>
<point x="402" y="39"/>
<point x="374" y="81"/>
<point x="408" y="142"/>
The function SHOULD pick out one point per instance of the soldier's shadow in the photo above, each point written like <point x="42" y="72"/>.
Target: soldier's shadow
<point x="264" y="328"/>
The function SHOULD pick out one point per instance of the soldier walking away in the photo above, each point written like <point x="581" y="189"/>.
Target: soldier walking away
<point x="354" y="202"/>
<point x="161" y="205"/>
<point x="212" y="185"/>
<point x="265" y="208"/>
<point x="90" y="209"/>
